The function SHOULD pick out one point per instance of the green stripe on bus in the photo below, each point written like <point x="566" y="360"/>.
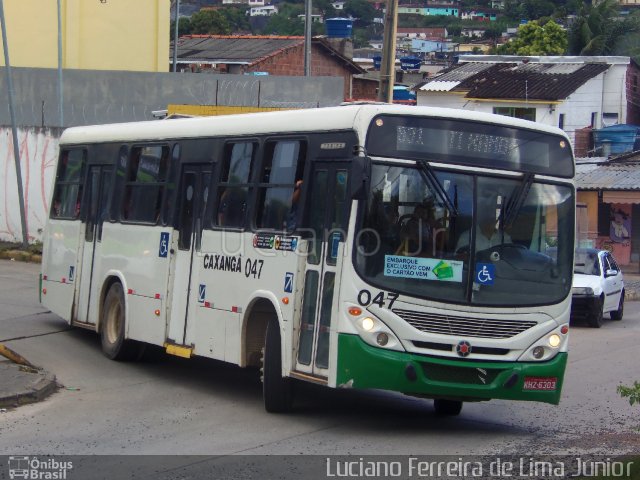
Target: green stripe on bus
<point x="363" y="366"/>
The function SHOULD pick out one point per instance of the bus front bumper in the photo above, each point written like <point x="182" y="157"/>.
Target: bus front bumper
<point x="363" y="366"/>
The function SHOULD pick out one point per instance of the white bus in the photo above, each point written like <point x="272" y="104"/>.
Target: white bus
<point x="360" y="246"/>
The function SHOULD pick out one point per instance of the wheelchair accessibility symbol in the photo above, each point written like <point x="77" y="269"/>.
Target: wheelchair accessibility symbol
<point x="164" y="244"/>
<point x="485" y="273"/>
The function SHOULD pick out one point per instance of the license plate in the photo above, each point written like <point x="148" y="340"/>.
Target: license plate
<point x="540" y="383"/>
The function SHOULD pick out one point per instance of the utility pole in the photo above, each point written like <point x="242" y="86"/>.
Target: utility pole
<point x="388" y="62"/>
<point x="14" y="130"/>
<point x="60" y="91"/>
<point x="307" y="38"/>
<point x="175" y="37"/>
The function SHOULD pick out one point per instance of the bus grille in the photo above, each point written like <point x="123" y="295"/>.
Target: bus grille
<point x="464" y="326"/>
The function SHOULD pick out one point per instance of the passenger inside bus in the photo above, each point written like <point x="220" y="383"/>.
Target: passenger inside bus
<point x="292" y="217"/>
<point x="232" y="207"/>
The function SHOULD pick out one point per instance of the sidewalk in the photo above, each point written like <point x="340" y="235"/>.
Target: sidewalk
<point x="631" y="282"/>
<point x="20" y="384"/>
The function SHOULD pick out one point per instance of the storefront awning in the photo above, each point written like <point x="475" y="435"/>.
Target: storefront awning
<point x="621" y="196"/>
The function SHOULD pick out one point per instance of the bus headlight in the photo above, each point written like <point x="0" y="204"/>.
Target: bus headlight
<point x="374" y="331"/>
<point x="367" y="324"/>
<point x="547" y="346"/>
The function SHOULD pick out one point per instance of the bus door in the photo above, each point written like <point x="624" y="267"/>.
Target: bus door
<point x="98" y="191"/>
<point x="328" y="219"/>
<point x="192" y="199"/>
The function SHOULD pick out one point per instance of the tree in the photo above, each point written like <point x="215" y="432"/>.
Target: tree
<point x="535" y="39"/>
<point x="599" y="29"/>
<point x="209" y="22"/>
<point x="361" y="10"/>
<point x="236" y="18"/>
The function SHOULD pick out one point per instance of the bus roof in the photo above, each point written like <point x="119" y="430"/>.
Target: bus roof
<point x="345" y="117"/>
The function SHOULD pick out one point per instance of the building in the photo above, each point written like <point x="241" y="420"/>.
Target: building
<point x="608" y="205"/>
<point x="418" y="9"/>
<point x="263" y="11"/>
<point x="566" y="92"/>
<point x="268" y="55"/>
<point x="96" y="35"/>
<point x="431" y="33"/>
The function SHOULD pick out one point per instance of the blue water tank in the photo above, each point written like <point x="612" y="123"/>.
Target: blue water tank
<point x="377" y="61"/>
<point x="339" y="27"/>
<point x="617" y="138"/>
<point x="410" y="63"/>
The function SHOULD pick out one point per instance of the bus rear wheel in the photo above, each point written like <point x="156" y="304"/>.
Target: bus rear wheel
<point x="277" y="390"/>
<point x="447" y="407"/>
<point x="112" y="327"/>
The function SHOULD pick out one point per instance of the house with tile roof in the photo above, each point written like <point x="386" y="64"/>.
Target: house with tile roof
<point x="567" y="92"/>
<point x="269" y="55"/>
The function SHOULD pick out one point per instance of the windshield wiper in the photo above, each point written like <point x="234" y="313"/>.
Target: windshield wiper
<point x="512" y="208"/>
<point x="432" y="181"/>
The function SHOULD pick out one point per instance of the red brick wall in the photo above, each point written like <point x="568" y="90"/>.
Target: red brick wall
<point x="291" y="62"/>
<point x="583" y="142"/>
<point x="364" y="90"/>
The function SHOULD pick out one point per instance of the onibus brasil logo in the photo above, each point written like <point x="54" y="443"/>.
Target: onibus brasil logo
<point x="34" y="468"/>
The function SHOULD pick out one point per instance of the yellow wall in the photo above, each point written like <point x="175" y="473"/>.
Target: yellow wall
<point x="114" y="35"/>
<point x="590" y="198"/>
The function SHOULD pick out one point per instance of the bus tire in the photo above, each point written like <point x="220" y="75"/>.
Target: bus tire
<point x="447" y="407"/>
<point x="112" y="326"/>
<point x="276" y="389"/>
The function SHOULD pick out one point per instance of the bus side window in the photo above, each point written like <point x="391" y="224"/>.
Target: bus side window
<point x="283" y="168"/>
<point x="233" y="191"/>
<point x="68" y="189"/>
<point x="147" y="174"/>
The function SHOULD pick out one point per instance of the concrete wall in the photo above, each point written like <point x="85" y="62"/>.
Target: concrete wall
<point x="97" y="97"/>
<point x="109" y="35"/>
<point x="38" y="153"/>
<point x="93" y="97"/>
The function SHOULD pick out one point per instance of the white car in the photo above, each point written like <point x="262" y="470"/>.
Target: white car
<point x="598" y="286"/>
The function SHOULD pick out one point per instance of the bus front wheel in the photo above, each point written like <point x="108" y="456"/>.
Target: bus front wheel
<point x="112" y="327"/>
<point x="447" y="407"/>
<point x="276" y="389"/>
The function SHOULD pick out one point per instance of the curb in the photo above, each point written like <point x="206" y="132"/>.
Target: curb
<point x="30" y="385"/>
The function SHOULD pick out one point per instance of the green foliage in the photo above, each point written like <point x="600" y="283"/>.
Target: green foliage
<point x="361" y="10"/>
<point x="600" y="30"/>
<point x="285" y="23"/>
<point x="535" y="39"/>
<point x="184" y="27"/>
<point x="632" y="393"/>
<point x="325" y="8"/>
<point x="209" y="22"/>
<point x="236" y="18"/>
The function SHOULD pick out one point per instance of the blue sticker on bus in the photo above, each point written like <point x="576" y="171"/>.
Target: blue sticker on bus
<point x="485" y="273"/>
<point x="164" y="244"/>
<point x="335" y="240"/>
<point x="72" y="271"/>
<point x="288" y="282"/>
<point x="202" y="293"/>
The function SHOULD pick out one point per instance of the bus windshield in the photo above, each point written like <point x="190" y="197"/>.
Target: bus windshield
<point x="467" y="238"/>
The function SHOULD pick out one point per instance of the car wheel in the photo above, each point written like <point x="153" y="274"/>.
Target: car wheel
<point x="617" y="314"/>
<point x="595" y="316"/>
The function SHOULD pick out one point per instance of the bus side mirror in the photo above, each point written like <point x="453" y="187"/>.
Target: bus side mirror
<point x="359" y="178"/>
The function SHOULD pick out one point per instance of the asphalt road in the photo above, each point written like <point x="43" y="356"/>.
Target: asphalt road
<point x="167" y="405"/>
